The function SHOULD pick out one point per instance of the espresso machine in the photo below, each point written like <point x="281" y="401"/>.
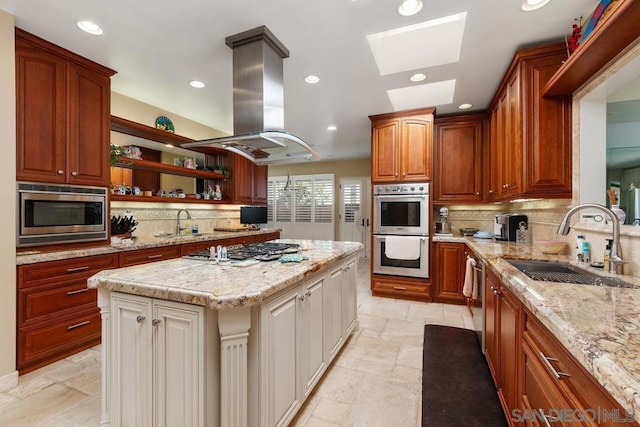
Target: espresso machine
<point x="506" y="225"/>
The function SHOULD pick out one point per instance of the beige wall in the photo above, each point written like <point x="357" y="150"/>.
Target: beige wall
<point x="344" y="168"/>
<point x="7" y="190"/>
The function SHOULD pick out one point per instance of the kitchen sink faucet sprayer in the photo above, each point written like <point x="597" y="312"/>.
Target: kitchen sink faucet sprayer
<point x="178" y="228"/>
<point x="615" y="260"/>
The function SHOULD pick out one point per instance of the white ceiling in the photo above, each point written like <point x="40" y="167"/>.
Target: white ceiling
<point x="157" y="46"/>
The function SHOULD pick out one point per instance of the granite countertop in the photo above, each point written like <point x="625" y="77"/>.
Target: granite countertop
<point x="217" y="286"/>
<point x="600" y="326"/>
<point x="32" y="257"/>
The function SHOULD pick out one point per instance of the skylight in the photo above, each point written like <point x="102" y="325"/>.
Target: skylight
<point x="418" y="46"/>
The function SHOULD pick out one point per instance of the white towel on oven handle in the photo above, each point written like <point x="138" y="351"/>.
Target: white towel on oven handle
<point x="470" y="288"/>
<point x="402" y="247"/>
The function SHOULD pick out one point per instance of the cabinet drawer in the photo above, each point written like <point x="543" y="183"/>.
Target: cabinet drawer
<point x="38" y="304"/>
<point x="63" y="271"/>
<point x="415" y="289"/>
<point x="189" y="248"/>
<point x="578" y="386"/>
<point x="36" y="344"/>
<point x="143" y="256"/>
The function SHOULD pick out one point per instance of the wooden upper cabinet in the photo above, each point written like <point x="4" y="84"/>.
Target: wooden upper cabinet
<point x="458" y="151"/>
<point x="63" y="103"/>
<point x="249" y="181"/>
<point x="402" y="146"/>
<point x="530" y="135"/>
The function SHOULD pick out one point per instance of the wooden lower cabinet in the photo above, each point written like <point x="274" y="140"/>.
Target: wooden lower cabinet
<point x="57" y="313"/>
<point x="400" y="287"/>
<point x="142" y="256"/>
<point x="449" y="272"/>
<point x="558" y="387"/>
<point x="539" y="382"/>
<point x="503" y="326"/>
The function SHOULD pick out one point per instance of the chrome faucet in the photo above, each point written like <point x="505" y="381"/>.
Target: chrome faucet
<point x="178" y="228"/>
<point x="615" y="259"/>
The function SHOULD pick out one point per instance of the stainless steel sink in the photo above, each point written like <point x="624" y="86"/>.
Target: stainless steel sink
<point x="565" y="272"/>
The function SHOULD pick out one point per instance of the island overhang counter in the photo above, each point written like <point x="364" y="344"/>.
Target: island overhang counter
<point x="188" y="342"/>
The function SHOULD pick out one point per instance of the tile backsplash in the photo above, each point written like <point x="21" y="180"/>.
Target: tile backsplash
<point x="162" y="218"/>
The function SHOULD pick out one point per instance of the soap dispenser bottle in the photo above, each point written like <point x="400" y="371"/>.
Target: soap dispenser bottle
<point x="579" y="247"/>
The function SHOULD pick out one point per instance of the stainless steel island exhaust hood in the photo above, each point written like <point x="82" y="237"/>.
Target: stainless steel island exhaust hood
<point x="258" y="103"/>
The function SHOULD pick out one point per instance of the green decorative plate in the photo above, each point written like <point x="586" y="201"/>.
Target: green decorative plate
<point x="165" y="124"/>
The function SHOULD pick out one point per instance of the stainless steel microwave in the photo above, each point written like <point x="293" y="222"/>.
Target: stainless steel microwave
<point x="52" y="214"/>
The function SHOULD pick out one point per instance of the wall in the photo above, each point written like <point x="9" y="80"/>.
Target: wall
<point x="8" y="373"/>
<point x="154" y="218"/>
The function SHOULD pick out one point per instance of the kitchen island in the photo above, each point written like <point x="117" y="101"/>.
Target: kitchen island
<point x="189" y="342"/>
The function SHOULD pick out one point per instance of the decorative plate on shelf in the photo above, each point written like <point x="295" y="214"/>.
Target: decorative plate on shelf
<point x="165" y="124"/>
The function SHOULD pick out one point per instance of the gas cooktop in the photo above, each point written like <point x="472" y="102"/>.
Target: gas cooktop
<point x="268" y="251"/>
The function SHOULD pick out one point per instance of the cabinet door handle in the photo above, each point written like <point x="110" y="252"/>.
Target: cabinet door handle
<point x="301" y="297"/>
<point x="139" y="319"/>
<point x="154" y="256"/>
<point x="78" y="291"/>
<point x="73" y="270"/>
<point x="308" y="293"/>
<point x="400" y="288"/>
<point x="155" y="322"/>
<point x="547" y="362"/>
<point x="77" y="325"/>
<point x="477" y="193"/>
<point x="60" y="172"/>
<point x="490" y="191"/>
<point x="74" y="173"/>
<point x="544" y="418"/>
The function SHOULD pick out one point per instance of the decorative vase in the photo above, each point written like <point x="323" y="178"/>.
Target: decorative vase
<point x="621" y="214"/>
<point x="218" y="194"/>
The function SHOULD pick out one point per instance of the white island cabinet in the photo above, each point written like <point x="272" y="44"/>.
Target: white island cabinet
<point x="190" y="343"/>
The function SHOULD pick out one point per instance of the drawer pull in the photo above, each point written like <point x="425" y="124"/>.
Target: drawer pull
<point x="139" y="319"/>
<point x="154" y="256"/>
<point x="77" y="325"/>
<point x="400" y="288"/>
<point x="73" y="270"/>
<point x="78" y="291"/>
<point x="547" y="362"/>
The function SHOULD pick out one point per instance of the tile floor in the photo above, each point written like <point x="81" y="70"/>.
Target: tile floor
<point x="375" y="381"/>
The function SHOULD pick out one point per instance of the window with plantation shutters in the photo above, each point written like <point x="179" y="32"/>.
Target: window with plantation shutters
<point x="305" y="211"/>
<point x="352" y="200"/>
<point x="323" y="199"/>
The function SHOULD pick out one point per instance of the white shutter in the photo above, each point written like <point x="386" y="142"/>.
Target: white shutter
<point x="270" y="200"/>
<point x="283" y="202"/>
<point x="351" y="194"/>
<point x="303" y="199"/>
<point x="323" y="191"/>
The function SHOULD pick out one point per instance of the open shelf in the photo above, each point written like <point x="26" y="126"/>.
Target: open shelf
<point x="151" y="166"/>
<point x="612" y="36"/>
<point x="158" y="199"/>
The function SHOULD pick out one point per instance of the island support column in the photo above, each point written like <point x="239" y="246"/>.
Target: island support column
<point x="234" y="325"/>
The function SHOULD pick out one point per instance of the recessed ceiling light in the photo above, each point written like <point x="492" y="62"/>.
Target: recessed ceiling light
<point x="410" y="7"/>
<point x="418" y="77"/>
<point x="197" y="84"/>
<point x="465" y="106"/>
<point x="331" y="127"/>
<point x="89" y="27"/>
<point x="312" y="79"/>
<point x="530" y="5"/>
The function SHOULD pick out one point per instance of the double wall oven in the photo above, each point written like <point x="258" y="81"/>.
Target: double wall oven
<point x="401" y="209"/>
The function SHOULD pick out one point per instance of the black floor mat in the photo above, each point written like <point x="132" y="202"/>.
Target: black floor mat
<point x="457" y="388"/>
